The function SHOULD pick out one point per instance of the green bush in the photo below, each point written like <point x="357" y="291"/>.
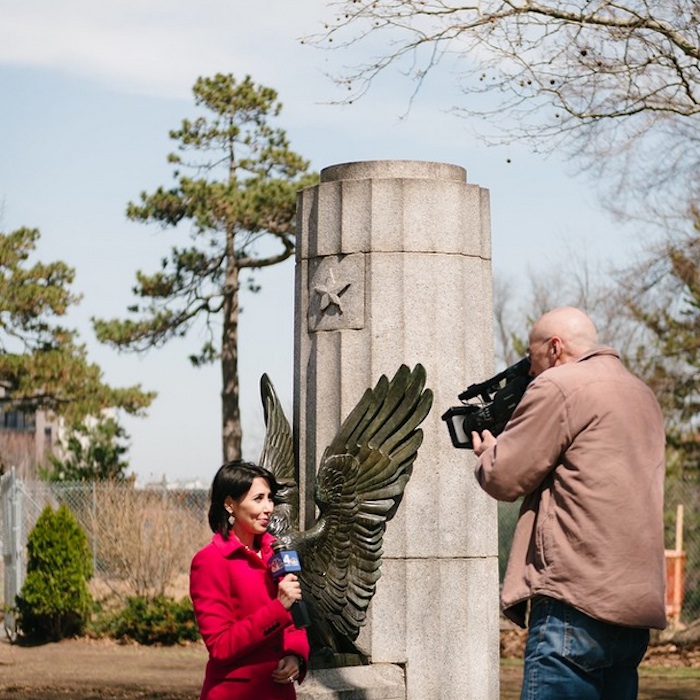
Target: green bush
<point x="54" y="601"/>
<point x="158" y="620"/>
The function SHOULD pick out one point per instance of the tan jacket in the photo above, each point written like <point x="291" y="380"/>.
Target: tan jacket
<point x="585" y="447"/>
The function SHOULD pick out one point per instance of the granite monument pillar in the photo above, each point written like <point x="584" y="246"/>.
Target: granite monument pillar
<point x="393" y="266"/>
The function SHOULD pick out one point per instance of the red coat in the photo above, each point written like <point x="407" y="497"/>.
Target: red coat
<point x="245" y="628"/>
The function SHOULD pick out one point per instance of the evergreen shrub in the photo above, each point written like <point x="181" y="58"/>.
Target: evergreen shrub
<point x="54" y="602"/>
<point x="157" y="620"/>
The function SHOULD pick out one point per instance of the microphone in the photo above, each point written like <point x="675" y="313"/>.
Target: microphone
<point x="286" y="561"/>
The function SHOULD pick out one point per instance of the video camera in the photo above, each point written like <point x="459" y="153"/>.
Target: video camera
<point x="498" y="398"/>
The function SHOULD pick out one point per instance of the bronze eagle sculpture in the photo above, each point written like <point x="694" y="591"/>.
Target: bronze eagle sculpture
<point x="359" y="485"/>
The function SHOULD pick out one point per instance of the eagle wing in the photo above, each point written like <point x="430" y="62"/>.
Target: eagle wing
<point x="278" y="457"/>
<point x="359" y="486"/>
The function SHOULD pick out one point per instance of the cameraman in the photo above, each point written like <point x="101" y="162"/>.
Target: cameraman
<point x="585" y="448"/>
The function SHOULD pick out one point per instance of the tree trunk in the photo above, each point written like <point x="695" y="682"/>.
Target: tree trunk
<point x="232" y="434"/>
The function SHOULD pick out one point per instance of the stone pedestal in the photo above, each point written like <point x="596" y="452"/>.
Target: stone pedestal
<point x="394" y="266"/>
<point x="375" y="682"/>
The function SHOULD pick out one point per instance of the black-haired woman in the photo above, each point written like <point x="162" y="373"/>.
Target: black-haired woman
<point x="243" y="615"/>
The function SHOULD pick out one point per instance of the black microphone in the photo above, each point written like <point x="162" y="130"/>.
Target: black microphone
<point x="286" y="561"/>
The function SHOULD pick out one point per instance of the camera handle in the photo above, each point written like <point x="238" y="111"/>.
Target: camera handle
<point x="490" y="386"/>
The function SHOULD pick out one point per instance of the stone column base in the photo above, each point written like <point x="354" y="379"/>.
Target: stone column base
<point x="375" y="682"/>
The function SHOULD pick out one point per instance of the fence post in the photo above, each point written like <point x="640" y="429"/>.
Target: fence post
<point x="675" y="571"/>
<point x="93" y="528"/>
<point x="13" y="549"/>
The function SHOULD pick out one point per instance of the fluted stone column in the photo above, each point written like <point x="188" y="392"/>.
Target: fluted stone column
<point x="394" y="266"/>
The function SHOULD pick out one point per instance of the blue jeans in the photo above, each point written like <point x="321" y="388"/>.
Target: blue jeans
<point x="571" y="656"/>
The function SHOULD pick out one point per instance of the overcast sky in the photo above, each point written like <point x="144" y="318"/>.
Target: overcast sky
<point x="89" y="93"/>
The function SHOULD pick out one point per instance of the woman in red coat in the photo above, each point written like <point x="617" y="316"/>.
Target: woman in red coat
<point x="243" y="615"/>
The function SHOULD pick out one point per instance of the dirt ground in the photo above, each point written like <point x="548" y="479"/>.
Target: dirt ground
<point x="86" y="669"/>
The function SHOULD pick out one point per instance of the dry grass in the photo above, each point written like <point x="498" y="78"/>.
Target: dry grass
<point x="144" y="542"/>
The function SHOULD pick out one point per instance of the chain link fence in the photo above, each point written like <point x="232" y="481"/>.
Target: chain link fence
<point x="679" y="492"/>
<point x="142" y="540"/>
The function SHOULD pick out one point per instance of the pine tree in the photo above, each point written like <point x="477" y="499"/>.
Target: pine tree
<point x="240" y="203"/>
<point x="42" y="365"/>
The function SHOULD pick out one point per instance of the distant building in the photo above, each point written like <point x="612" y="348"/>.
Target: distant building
<point x="195" y="484"/>
<point x="26" y="439"/>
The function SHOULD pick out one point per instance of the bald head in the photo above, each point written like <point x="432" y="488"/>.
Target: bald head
<point x="560" y="336"/>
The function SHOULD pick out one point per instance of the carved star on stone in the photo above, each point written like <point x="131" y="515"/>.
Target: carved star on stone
<point x="330" y="292"/>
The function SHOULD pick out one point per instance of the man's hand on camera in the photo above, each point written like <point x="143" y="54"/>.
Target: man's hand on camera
<point x="482" y="442"/>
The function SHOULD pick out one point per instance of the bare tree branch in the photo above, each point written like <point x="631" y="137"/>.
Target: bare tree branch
<point x="616" y="84"/>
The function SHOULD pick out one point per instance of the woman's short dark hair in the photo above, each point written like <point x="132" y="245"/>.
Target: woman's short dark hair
<point x="234" y="479"/>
